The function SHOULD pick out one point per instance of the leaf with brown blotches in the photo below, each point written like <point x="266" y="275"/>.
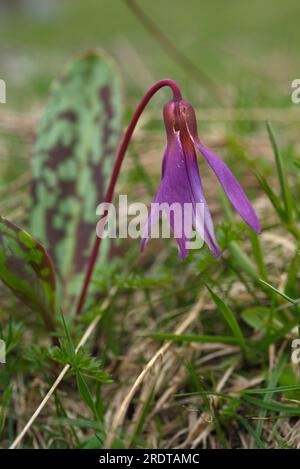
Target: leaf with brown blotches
<point x="73" y="157"/>
<point x="27" y="270"/>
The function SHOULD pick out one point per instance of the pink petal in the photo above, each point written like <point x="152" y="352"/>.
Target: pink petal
<point x="231" y="186"/>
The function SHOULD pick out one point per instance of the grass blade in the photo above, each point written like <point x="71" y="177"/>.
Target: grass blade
<point x="275" y="201"/>
<point x="243" y="260"/>
<point x="273" y="406"/>
<point x="291" y="387"/>
<point x="280" y="293"/>
<point x="272" y="382"/>
<point x="284" y="187"/>
<point x="193" y="338"/>
<point x="251" y="431"/>
<point x="257" y="251"/>
<point x="229" y="317"/>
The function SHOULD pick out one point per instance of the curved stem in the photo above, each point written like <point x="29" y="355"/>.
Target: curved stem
<point x="115" y="173"/>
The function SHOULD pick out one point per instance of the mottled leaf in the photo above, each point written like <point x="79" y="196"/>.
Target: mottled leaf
<point x="73" y="156"/>
<point x="27" y="270"/>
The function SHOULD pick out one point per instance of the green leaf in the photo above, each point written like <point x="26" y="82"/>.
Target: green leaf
<point x="228" y="316"/>
<point x="80" y="361"/>
<point x="289" y="382"/>
<point x="87" y="365"/>
<point x="258" y="317"/>
<point x="86" y="394"/>
<point x="73" y="155"/>
<point x="27" y="270"/>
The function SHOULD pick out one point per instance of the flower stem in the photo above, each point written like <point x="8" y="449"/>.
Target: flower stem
<point x="115" y="173"/>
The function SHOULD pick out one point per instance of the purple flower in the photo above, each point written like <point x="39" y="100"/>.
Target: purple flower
<point x="181" y="182"/>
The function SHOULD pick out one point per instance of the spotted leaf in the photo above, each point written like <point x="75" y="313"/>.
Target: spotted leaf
<point x="27" y="270"/>
<point x="73" y="156"/>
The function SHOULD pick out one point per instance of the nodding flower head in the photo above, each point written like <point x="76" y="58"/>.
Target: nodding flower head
<point x="181" y="182"/>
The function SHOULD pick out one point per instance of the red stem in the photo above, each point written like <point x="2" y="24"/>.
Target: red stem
<point x="117" y="166"/>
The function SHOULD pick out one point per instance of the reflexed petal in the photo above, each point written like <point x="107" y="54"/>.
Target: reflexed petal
<point x="231" y="186"/>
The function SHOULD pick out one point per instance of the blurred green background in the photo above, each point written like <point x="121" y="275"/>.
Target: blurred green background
<point x="250" y="49"/>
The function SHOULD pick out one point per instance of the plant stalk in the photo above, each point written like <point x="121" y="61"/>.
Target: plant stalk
<point x="115" y="173"/>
